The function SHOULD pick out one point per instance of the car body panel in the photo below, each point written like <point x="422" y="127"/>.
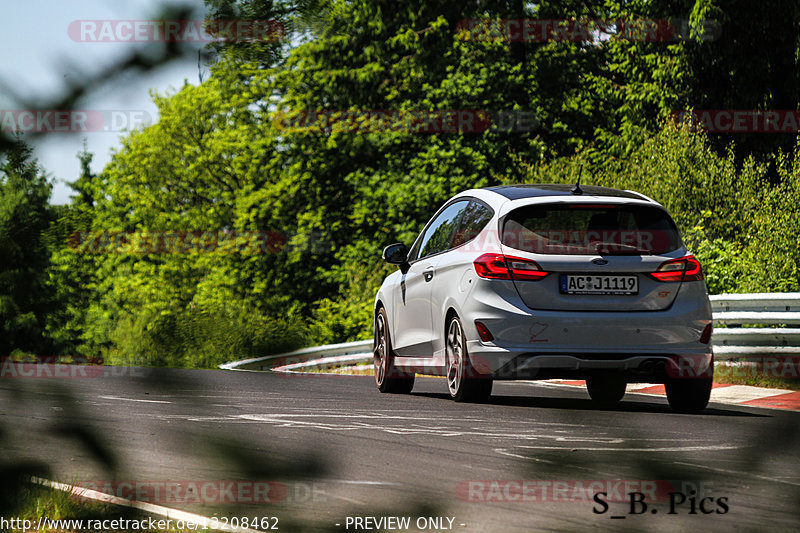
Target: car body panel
<point x="412" y="314"/>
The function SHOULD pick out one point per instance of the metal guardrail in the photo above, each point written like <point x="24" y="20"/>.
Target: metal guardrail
<point x="757" y="309"/>
<point x="734" y="341"/>
<point x="305" y="355"/>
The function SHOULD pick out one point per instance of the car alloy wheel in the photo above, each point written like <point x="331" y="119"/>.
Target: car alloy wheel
<point x="455" y="361"/>
<point x="462" y="385"/>
<point x="387" y="377"/>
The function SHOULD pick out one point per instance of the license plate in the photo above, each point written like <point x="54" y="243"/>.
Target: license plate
<point x="599" y="284"/>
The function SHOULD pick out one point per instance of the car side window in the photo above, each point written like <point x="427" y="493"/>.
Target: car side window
<point x="473" y="220"/>
<point x="438" y="235"/>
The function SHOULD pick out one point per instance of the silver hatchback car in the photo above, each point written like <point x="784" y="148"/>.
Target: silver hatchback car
<point x="541" y="282"/>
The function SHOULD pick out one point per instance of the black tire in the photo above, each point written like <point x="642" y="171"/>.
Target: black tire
<point x="606" y="390"/>
<point x="387" y="377"/>
<point x="461" y="380"/>
<point x="688" y="395"/>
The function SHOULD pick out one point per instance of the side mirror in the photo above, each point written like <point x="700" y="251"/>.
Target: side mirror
<point x="397" y="254"/>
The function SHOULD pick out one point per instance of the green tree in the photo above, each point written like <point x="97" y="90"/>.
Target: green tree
<point x="71" y="275"/>
<point x="24" y="217"/>
<point x="753" y="64"/>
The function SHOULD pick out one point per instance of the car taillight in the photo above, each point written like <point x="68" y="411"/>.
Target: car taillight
<point x="524" y="270"/>
<point x="498" y="266"/>
<point x="686" y="268"/>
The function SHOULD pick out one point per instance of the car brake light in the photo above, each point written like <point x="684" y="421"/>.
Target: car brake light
<point x="484" y="332"/>
<point x="498" y="266"/>
<point x="686" y="268"/>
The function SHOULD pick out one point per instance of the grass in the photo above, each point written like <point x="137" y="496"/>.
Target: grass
<point x="749" y="373"/>
<point x="31" y="501"/>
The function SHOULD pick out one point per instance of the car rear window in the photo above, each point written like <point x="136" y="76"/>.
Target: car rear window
<point x="591" y="229"/>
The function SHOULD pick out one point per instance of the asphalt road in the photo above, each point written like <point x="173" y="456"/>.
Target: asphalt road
<point x="333" y="447"/>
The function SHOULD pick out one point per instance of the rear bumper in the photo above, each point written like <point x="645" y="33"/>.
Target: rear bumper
<point x="518" y="329"/>
<point x="646" y="346"/>
<point x="640" y="367"/>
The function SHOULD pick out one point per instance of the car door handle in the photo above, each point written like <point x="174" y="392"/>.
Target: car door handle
<point x="428" y="273"/>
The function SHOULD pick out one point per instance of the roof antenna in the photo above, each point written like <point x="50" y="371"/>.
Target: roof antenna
<point x="577" y="188"/>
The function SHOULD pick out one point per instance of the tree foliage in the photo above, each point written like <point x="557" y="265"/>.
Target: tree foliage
<point x="254" y="150"/>
<point x="24" y="217"/>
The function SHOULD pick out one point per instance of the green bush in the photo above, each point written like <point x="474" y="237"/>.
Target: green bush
<point x="195" y="338"/>
<point x="348" y="316"/>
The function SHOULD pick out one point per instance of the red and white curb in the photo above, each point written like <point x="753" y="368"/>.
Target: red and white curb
<point x="723" y="393"/>
<point x="720" y="393"/>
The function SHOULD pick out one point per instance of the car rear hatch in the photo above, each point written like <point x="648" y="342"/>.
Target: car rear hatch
<point x="597" y="256"/>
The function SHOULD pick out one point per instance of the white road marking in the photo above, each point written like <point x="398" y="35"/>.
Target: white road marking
<point x="371" y="416"/>
<point x="306" y="421"/>
<point x="718" y="447"/>
<point x="132" y="399"/>
<point x="503" y="451"/>
<point x="608" y="440"/>
<point x="289" y="420"/>
<point x="192" y="394"/>
<point x="349" y="482"/>
<point x="343" y="498"/>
